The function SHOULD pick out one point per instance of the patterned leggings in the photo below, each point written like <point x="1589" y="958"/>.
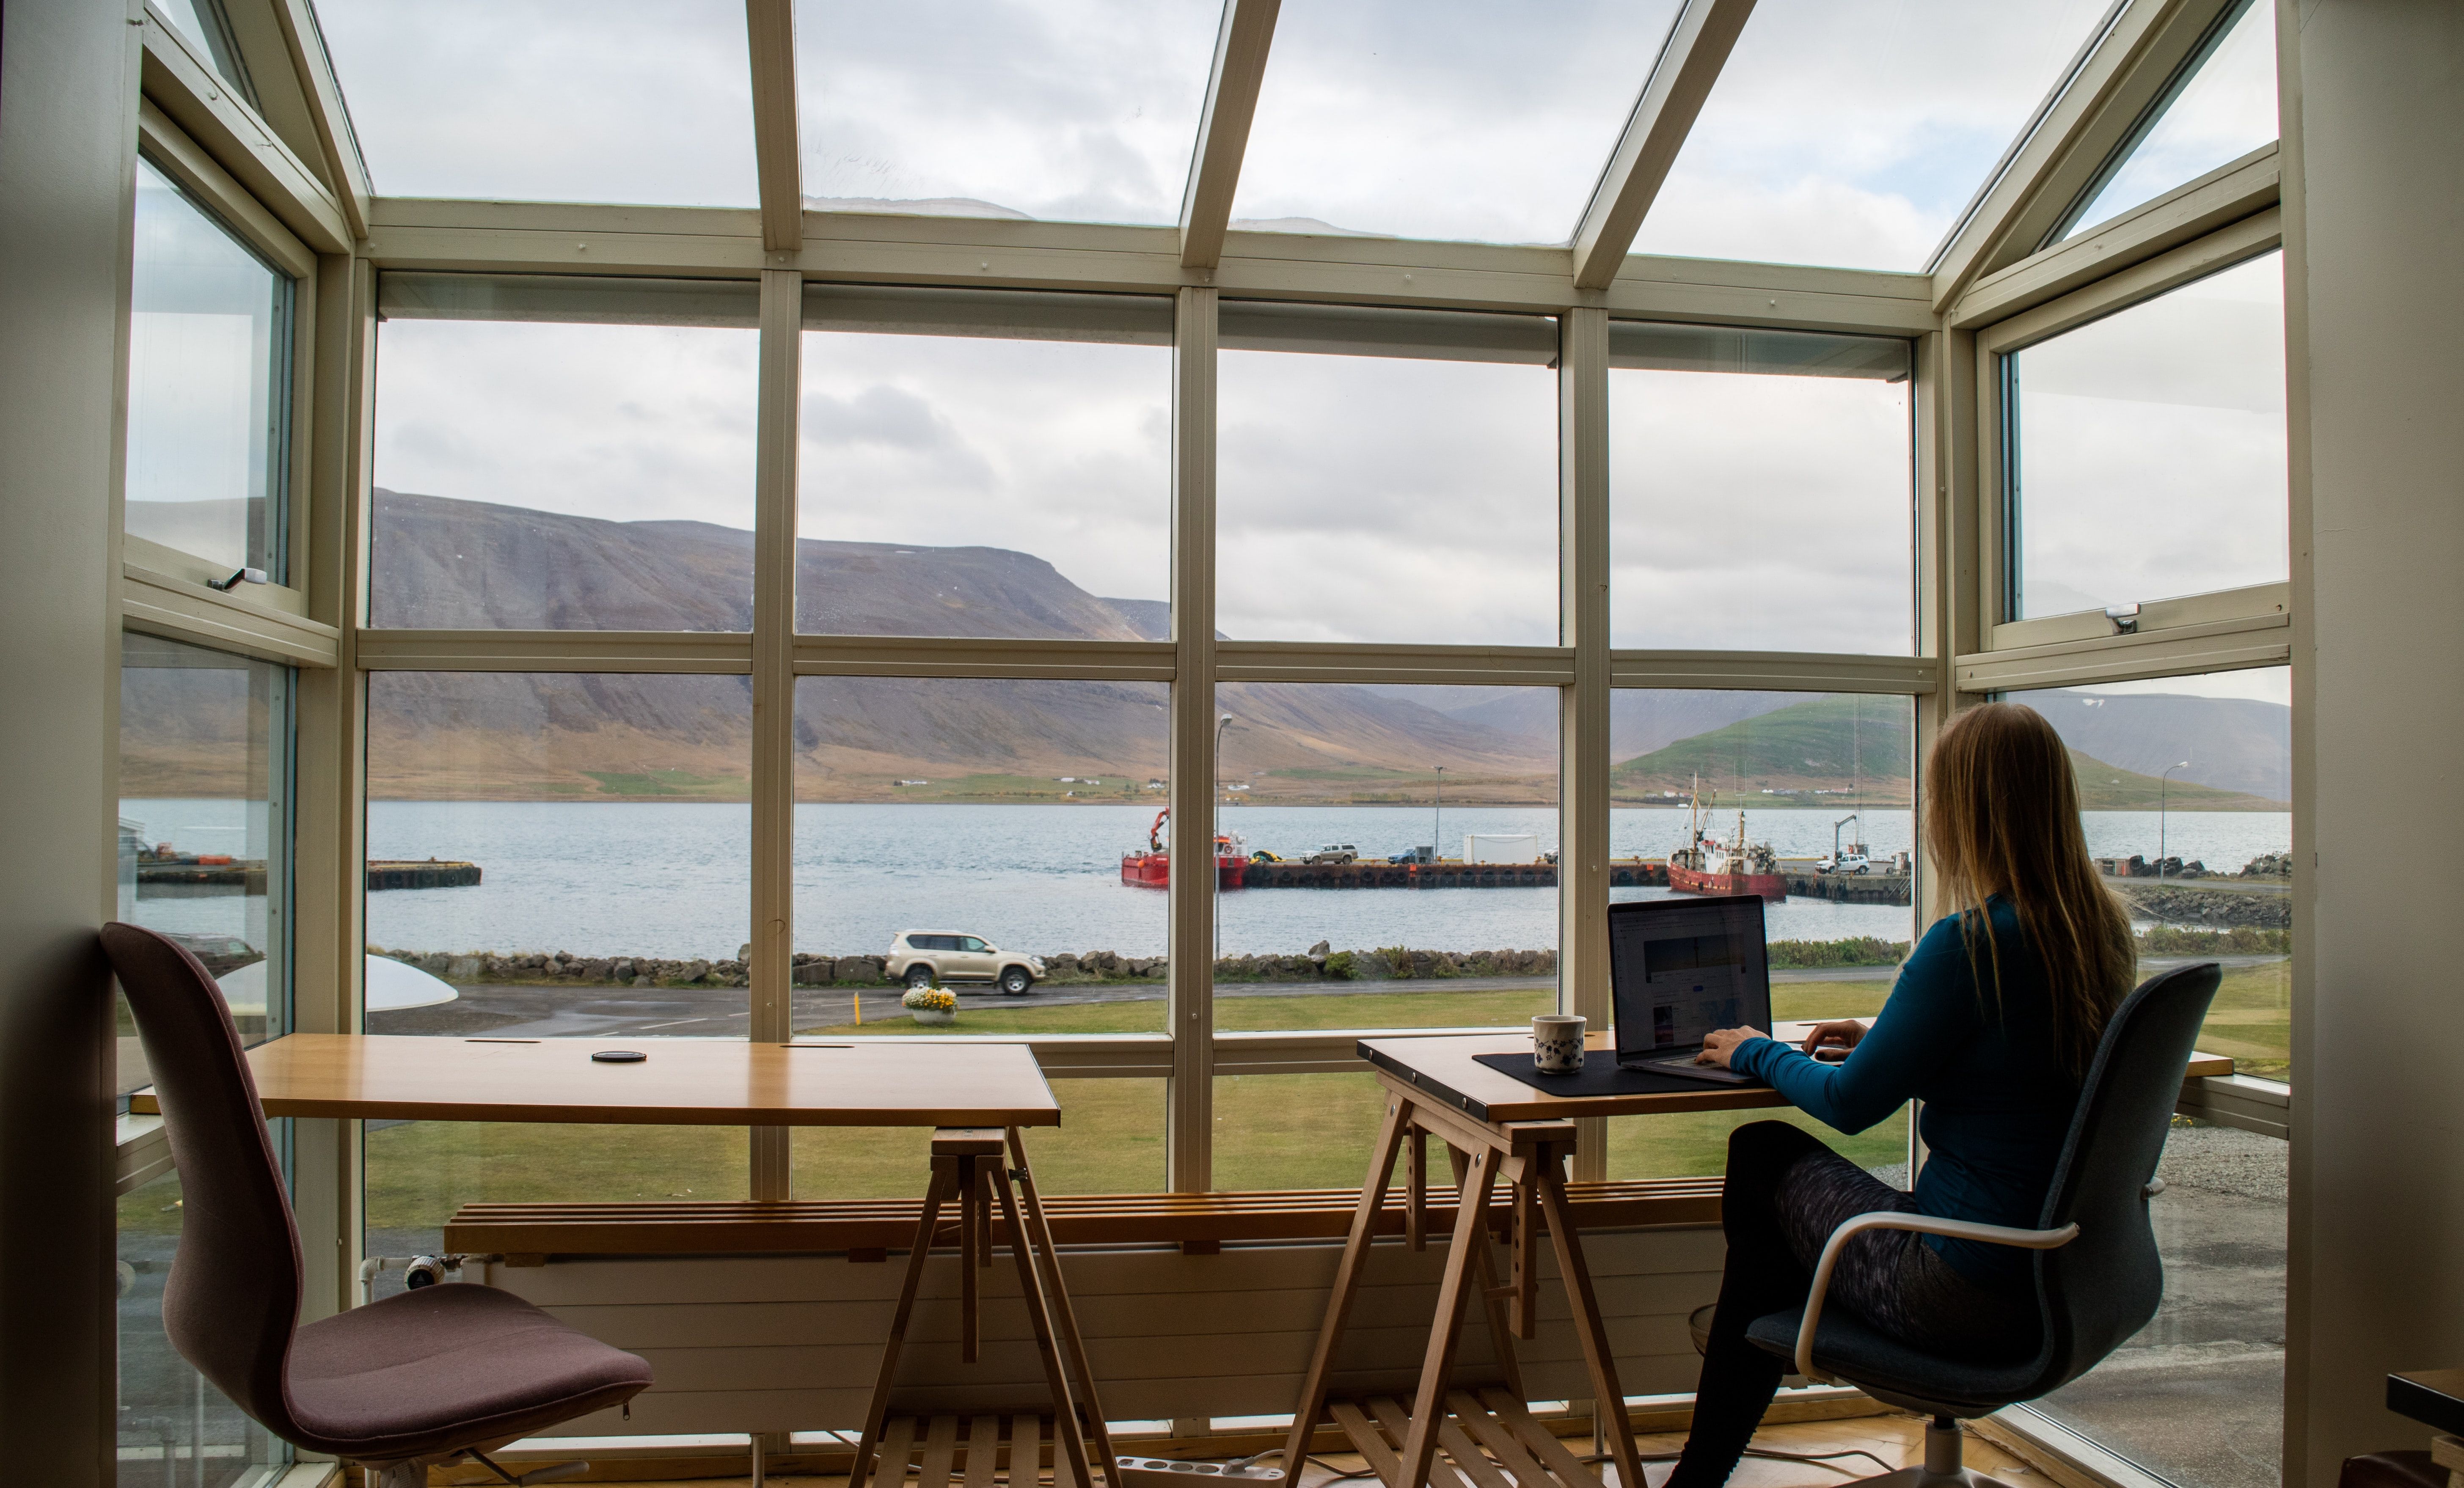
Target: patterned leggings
<point x="1785" y="1194"/>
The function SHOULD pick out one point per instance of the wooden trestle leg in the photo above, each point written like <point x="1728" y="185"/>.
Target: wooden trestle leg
<point x="1347" y="1283"/>
<point x="1446" y="1331"/>
<point x="945" y="1178"/>
<point x="1491" y="1294"/>
<point x="1608" y="1396"/>
<point x="1072" y="1343"/>
<point x="1068" y="1435"/>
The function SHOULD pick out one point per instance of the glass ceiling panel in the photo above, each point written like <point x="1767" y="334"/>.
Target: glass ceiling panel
<point x="622" y="101"/>
<point x="1072" y="110"/>
<point x="1854" y="133"/>
<point x="2226" y="110"/>
<point x="1445" y="118"/>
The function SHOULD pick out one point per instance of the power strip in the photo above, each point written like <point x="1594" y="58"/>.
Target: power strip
<point x="1165" y="1472"/>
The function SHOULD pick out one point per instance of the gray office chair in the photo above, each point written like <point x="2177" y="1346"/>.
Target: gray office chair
<point x="427" y="1377"/>
<point x="2098" y="1277"/>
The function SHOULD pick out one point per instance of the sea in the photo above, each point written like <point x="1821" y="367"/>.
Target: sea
<point x="672" y="879"/>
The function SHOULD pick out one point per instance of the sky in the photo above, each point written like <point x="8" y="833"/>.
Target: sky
<point x="2225" y="110"/>
<point x="1361" y="498"/>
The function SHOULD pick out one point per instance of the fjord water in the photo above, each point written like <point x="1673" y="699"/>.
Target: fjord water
<point x="671" y="879"/>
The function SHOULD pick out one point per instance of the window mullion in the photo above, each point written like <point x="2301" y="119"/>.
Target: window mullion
<point x="1188" y="1137"/>
<point x="774" y="696"/>
<point x="1583" y="716"/>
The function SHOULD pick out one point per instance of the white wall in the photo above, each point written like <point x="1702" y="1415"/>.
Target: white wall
<point x="2374" y="134"/>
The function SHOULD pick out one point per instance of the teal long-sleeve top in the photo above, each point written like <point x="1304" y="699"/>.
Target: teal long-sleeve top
<point x="1997" y="1101"/>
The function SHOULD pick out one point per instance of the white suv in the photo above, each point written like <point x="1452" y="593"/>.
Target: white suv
<point x="926" y="958"/>
<point x="1846" y="863"/>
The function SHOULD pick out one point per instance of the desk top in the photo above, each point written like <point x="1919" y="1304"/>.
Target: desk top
<point x="683" y="1083"/>
<point x="2433" y="1398"/>
<point x="1448" y="1071"/>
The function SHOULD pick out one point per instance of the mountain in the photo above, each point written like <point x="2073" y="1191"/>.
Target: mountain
<point x="2236" y="744"/>
<point x="440" y="562"/>
<point x="1833" y="748"/>
<point x="1639" y="719"/>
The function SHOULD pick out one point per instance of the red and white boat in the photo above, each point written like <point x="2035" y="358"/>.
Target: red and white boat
<point x="1153" y="868"/>
<point x="1708" y="866"/>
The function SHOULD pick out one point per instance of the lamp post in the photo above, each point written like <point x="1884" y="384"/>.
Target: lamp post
<point x="1213" y="868"/>
<point x="1436" y="821"/>
<point x="2164" y="785"/>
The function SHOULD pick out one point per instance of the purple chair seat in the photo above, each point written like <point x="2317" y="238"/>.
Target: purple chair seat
<point x="443" y="1367"/>
<point x="425" y="1375"/>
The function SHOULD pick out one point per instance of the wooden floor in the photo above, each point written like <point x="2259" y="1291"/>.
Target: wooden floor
<point x="1898" y="1440"/>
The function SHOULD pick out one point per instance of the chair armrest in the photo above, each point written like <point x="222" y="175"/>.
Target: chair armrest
<point x="1922" y="1224"/>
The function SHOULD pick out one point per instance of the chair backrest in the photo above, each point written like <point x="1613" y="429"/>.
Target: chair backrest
<point x="2104" y="1285"/>
<point x="233" y="1297"/>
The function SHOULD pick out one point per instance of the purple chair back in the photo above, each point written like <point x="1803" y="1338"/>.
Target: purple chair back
<point x="233" y="1297"/>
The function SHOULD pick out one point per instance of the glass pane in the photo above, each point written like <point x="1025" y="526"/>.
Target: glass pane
<point x="1745" y="467"/>
<point x="174" y="1428"/>
<point x="204" y="824"/>
<point x="1401" y="848"/>
<point x="2225" y="110"/>
<point x="963" y="842"/>
<point x="535" y="475"/>
<point x="418" y="1172"/>
<point x="2149" y="448"/>
<point x="1297" y="1131"/>
<point x="986" y="475"/>
<point x="2185" y="792"/>
<point x="209" y="386"/>
<point x="1470" y="121"/>
<point x="1109" y="1141"/>
<point x="1822" y="781"/>
<point x="2197" y="1395"/>
<point x="534" y="100"/>
<point x="593" y="837"/>
<point x="1078" y="110"/>
<point x="207" y="30"/>
<point x="1401" y="489"/>
<point x="1695" y="1144"/>
<point x="1817" y="146"/>
<point x="573" y="860"/>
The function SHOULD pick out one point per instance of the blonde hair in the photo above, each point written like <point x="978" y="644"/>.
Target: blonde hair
<point x="2002" y="817"/>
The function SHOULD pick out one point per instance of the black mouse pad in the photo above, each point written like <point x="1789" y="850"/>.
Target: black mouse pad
<point x="1601" y="1076"/>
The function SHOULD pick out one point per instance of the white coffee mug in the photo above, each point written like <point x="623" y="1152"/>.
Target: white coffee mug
<point x="1558" y="1042"/>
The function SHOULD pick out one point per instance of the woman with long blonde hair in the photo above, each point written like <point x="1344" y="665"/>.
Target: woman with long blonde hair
<point x="1992" y="1024"/>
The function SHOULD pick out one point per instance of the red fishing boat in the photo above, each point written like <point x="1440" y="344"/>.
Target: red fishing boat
<point x="1153" y="868"/>
<point x="1708" y="866"/>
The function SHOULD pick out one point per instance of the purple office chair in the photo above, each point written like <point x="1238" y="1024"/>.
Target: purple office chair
<point x="426" y="1377"/>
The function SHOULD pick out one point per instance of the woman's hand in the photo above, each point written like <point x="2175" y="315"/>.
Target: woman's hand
<point x="1721" y="1042"/>
<point x="1835" y="1036"/>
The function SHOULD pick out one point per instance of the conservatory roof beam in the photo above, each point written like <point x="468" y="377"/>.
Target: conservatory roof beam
<point x="1240" y="46"/>
<point x="1697" y="48"/>
<point x="770" y="31"/>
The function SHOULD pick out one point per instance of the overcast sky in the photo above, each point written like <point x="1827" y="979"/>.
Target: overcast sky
<point x="1361" y="498"/>
<point x="2227" y="110"/>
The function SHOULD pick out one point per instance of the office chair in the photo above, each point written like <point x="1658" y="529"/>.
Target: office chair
<point x="2098" y="1277"/>
<point x="426" y="1377"/>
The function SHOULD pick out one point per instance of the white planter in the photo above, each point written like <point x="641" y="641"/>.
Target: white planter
<point x="933" y="1018"/>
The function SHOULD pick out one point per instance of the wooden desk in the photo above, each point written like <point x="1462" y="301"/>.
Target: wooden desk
<point x="978" y="1096"/>
<point x="1495" y="1127"/>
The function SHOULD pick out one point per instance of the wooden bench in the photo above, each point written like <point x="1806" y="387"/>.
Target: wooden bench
<point x="867" y="1230"/>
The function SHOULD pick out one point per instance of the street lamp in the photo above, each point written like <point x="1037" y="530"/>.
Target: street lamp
<point x="1213" y="868"/>
<point x="2164" y="784"/>
<point x="1436" y="821"/>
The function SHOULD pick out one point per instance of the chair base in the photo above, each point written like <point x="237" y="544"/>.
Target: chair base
<point x="1942" y="1468"/>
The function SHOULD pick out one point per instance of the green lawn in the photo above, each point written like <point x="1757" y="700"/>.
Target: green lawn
<point x="1271" y="1130"/>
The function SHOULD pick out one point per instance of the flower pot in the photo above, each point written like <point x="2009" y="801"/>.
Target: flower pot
<point x="933" y="1018"/>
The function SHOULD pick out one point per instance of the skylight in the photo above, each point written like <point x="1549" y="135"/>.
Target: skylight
<point x="1075" y="110"/>
<point x="1443" y="119"/>
<point x="2224" y="111"/>
<point x="624" y="100"/>
<point x="1854" y="133"/>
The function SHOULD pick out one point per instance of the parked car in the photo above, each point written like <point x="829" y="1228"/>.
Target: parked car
<point x="931" y="958"/>
<point x="1845" y="862"/>
<point x="1335" y="852"/>
<point x="1415" y="855"/>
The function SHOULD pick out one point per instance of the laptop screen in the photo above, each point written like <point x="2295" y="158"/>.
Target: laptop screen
<point x="1680" y="968"/>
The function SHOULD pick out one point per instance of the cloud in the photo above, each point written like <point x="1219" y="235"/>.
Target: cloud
<point x="621" y="101"/>
<point x="621" y="422"/>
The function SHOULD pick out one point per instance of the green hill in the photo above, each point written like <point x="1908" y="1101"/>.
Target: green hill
<point x="1825" y="750"/>
<point x="1812" y="753"/>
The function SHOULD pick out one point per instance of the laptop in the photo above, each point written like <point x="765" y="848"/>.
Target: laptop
<point x="1678" y="969"/>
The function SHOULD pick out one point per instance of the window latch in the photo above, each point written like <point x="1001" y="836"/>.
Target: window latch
<point x="2125" y="617"/>
<point x="248" y="576"/>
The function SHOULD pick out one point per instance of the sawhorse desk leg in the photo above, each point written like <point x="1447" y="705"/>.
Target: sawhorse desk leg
<point x="1533" y="1163"/>
<point x="967" y="1163"/>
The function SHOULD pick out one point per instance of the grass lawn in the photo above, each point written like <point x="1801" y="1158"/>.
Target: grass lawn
<point x="1271" y="1130"/>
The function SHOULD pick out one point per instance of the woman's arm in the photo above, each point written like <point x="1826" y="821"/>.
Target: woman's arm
<point x="1931" y="1014"/>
